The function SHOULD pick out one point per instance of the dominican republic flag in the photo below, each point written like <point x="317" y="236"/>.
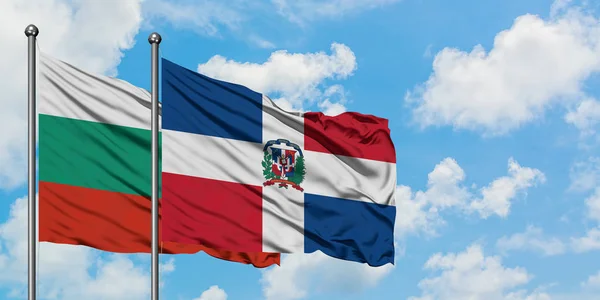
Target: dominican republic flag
<point x="241" y="174"/>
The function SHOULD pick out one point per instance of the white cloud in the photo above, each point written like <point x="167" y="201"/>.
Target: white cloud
<point x="300" y="273"/>
<point x="298" y="78"/>
<point x="300" y="12"/>
<point x="592" y="203"/>
<point x="212" y="18"/>
<point x="209" y="17"/>
<point x="533" y="66"/>
<point x="559" y="6"/>
<point x="427" y="53"/>
<point x="585" y="175"/>
<point x="67" y="271"/>
<point x="203" y="16"/>
<point x="261" y="42"/>
<point x="593" y="282"/>
<point x="589" y="242"/>
<point x="496" y="196"/>
<point x="334" y="100"/>
<point x="420" y="211"/>
<point x="213" y="293"/>
<point x="585" y="117"/>
<point x="331" y="109"/>
<point x="88" y="34"/>
<point x="415" y="214"/>
<point x="532" y="239"/>
<point x="535" y="295"/>
<point x="168" y="266"/>
<point x="472" y="275"/>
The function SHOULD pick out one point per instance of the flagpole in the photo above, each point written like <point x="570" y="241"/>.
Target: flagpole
<point x="31" y="32"/>
<point x="154" y="39"/>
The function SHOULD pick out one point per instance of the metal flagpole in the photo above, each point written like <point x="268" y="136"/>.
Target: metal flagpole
<point x="31" y="32"/>
<point x="154" y="40"/>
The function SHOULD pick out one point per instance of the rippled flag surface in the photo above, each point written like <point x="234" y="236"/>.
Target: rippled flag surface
<point x="240" y="173"/>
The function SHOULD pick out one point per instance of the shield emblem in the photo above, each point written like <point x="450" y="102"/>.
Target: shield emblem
<point x="283" y="162"/>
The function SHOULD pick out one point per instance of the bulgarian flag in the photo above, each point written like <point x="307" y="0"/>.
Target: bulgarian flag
<point x="95" y="166"/>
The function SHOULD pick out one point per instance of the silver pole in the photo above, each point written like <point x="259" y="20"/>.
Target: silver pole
<point x="154" y="40"/>
<point x="31" y="32"/>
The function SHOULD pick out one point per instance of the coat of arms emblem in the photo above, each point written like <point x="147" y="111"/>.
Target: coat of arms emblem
<point x="283" y="164"/>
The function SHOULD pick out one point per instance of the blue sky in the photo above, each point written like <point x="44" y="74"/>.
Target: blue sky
<point x="493" y="108"/>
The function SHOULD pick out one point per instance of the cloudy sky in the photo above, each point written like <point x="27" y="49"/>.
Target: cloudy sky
<point x="494" y="111"/>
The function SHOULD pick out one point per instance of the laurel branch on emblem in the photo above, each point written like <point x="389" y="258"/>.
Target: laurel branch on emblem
<point x="289" y="162"/>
